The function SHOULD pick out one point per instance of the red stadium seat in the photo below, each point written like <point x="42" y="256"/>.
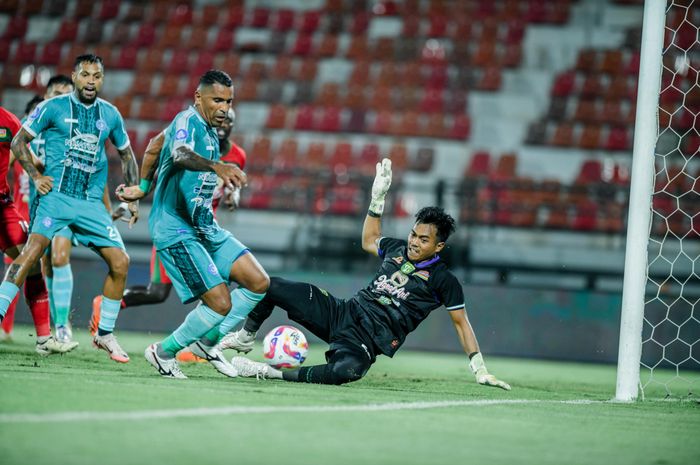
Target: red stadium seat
<point x="123" y="104"/>
<point x="247" y="91"/>
<point x="490" y="79"/>
<point x="304" y="120"/>
<point x="586" y="111"/>
<point x="398" y="154"/>
<point x="611" y="62"/>
<point x="563" y="135"/>
<point x="150" y="109"/>
<point x="204" y="62"/>
<point x="381" y="97"/>
<point x="25" y="53"/>
<point x="383" y="122"/>
<point x="592" y="86"/>
<point x="224" y="40"/>
<point x="564" y="84"/>
<point x="358" y="48"/>
<point x="172" y="107"/>
<point x="180" y="15"/>
<point x="228" y="62"/>
<point x="109" y="10"/>
<point x="170" y="86"/>
<point x="356" y="121"/>
<point x="585" y="217"/>
<point x="93" y="32"/>
<point x="282" y="69"/>
<point x="360" y="74"/>
<point x="479" y="165"/>
<point x="50" y="54"/>
<point x="512" y="56"/>
<point x="359" y="24"/>
<point x="152" y="61"/>
<point x="283" y="20"/>
<point x="369" y="156"/>
<point x="432" y="101"/>
<point x="135" y="13"/>
<point x="485" y="54"/>
<point x="276" y="117"/>
<point x="302" y="45"/>
<point x="460" y="128"/>
<point x="329" y="94"/>
<point x="587" y="61"/>
<point x="330" y="120"/>
<point x="406" y="98"/>
<point x="208" y="16"/>
<point x="435" y="126"/>
<point x="590" y="137"/>
<point x="234" y="17"/>
<point x="179" y="61"/>
<point x="341" y="158"/>
<point x="260" y="17"/>
<point x="16" y="28"/>
<point x="171" y="37"/>
<point x="307" y="70"/>
<point x="286" y="157"/>
<point x="617" y="139"/>
<point x="611" y="112"/>
<point x="83" y="8"/>
<point x="515" y="32"/>
<point x="618" y="88"/>
<point x="315" y="158"/>
<point x="309" y="22"/>
<point x="411" y="26"/>
<point x="68" y="31"/>
<point x="407" y="124"/>
<point x="328" y="46"/>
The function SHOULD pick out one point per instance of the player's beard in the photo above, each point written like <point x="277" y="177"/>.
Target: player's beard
<point x="84" y="99"/>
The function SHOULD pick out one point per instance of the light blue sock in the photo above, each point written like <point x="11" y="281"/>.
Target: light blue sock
<point x="52" y="308"/>
<point x="243" y="302"/>
<point x="8" y="291"/>
<point x="197" y="323"/>
<point x="62" y="293"/>
<point x="108" y="315"/>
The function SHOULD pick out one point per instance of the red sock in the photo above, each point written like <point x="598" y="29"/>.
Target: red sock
<point x="38" y="301"/>
<point x="9" y="321"/>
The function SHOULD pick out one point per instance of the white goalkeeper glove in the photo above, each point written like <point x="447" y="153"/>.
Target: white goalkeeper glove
<point x="380" y="187"/>
<point x="482" y="375"/>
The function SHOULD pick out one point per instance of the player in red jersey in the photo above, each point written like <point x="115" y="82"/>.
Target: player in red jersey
<point x="13" y="236"/>
<point x="160" y="285"/>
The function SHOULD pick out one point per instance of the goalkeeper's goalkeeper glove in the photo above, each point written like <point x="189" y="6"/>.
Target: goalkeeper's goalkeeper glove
<point x="380" y="187"/>
<point x="482" y="375"/>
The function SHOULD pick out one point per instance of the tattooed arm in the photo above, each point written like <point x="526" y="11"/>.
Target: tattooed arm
<point x="20" y="149"/>
<point x="185" y="158"/>
<point x="131" y="176"/>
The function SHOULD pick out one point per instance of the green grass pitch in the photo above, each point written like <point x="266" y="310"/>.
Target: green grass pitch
<point x="83" y="408"/>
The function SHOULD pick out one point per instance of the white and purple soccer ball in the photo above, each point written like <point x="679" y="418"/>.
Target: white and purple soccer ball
<point x="285" y="347"/>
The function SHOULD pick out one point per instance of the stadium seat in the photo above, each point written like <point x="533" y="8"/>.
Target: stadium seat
<point x="282" y="68"/>
<point x="123" y="104"/>
<point x="590" y="137"/>
<point x="328" y="46"/>
<point x="505" y="169"/>
<point x="479" y="165"/>
<point x="172" y="107"/>
<point x="406" y="49"/>
<point x="586" y="111"/>
<point x="438" y="77"/>
<point x="383" y="122"/>
<point x="302" y="45"/>
<point x="359" y="23"/>
<point x="170" y="85"/>
<point x="256" y="71"/>
<point x="354" y="97"/>
<point x="92" y="33"/>
<point x="369" y="156"/>
<point x="356" y="121"/>
<point x="109" y="10"/>
<point x="558" y="217"/>
<point x="512" y="57"/>
<point x="515" y="32"/>
<point x="398" y="154"/>
<point x="592" y="86"/>
<point x="585" y="216"/>
<point x="434" y="126"/>
<point x="208" y="16"/>
<point x="135" y="13"/>
<point x="617" y="139"/>
<point x="358" y="48"/>
<point x="437" y="26"/>
<point x="25" y="53"/>
<point x="490" y="79"/>
<point x="128" y="57"/>
<point x="460" y="127"/>
<point x="146" y="35"/>
<point x="152" y="61"/>
<point x="272" y="91"/>
<point x="345" y="200"/>
<point x="50" y="54"/>
<point x="611" y="218"/>
<point x="16" y="28"/>
<point x="330" y="120"/>
<point x="423" y="160"/>
<point x="181" y="15"/>
<point x="564" y="84"/>
<point x="563" y="135"/>
<point x="171" y="37"/>
<point x="68" y="31"/>
<point x="304" y="93"/>
<point x="150" y="109"/>
<point x="141" y="87"/>
<point x="432" y="101"/>
<point x="121" y="35"/>
<point x="315" y="157"/>
<point x="304" y="119"/>
<point x="611" y="113"/>
<point x="276" y="117"/>
<point x="611" y="62"/>
<point x="587" y="61"/>
<point x="83" y="8"/>
<point x="360" y="74"/>
<point x="335" y="23"/>
<point x="307" y="70"/>
<point x="233" y="18"/>
<point x="309" y="22"/>
<point x="591" y="172"/>
<point x="283" y="20"/>
<point x="407" y="124"/>
<point x="380" y="99"/>
<point x="285" y="159"/>
<point x="342" y="157"/>
<point x="260" y="18"/>
<point x="203" y="62"/>
<point x="247" y="91"/>
<point x="223" y="42"/>
<point x="411" y="26"/>
<point x="329" y="94"/>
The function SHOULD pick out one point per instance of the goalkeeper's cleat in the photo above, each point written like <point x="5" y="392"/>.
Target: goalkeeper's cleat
<point x="95" y="317"/>
<point x="215" y="356"/>
<point x="166" y="367"/>
<point x="241" y="341"/>
<point x="52" y="346"/>
<point x="64" y="333"/>
<point x="109" y="344"/>
<point x="250" y="369"/>
<point x="188" y="357"/>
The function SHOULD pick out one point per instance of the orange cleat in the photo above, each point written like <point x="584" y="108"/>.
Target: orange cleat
<point x="188" y="357"/>
<point x="95" y="317"/>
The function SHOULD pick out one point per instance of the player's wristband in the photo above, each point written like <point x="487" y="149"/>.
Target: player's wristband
<point x="373" y="215"/>
<point x="144" y="185"/>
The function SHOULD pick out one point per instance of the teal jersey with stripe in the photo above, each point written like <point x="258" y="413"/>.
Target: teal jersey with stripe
<point x="182" y="201"/>
<point x="74" y="142"/>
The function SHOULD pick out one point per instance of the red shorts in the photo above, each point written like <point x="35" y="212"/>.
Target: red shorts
<point x="13" y="226"/>
<point x="158" y="274"/>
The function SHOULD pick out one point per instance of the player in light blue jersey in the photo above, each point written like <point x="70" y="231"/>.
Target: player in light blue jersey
<point x="199" y="256"/>
<point x="76" y="127"/>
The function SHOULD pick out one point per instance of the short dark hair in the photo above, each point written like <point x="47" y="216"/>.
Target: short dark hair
<point x="215" y="76"/>
<point x="436" y="216"/>
<point x="87" y="58"/>
<point x="36" y="100"/>
<point x="59" y="79"/>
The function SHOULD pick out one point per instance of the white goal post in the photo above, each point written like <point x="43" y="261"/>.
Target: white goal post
<point x="640" y="334"/>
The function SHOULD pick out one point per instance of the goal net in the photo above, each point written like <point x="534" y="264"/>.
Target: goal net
<point x="670" y="356"/>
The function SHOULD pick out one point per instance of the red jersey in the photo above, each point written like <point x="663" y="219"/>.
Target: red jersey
<point x="20" y="188"/>
<point x="9" y="127"/>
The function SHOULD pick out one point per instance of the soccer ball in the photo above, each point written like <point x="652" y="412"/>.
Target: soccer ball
<point x="285" y="347"/>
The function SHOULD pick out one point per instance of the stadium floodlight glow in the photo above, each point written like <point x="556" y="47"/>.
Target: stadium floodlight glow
<point x="660" y="324"/>
<point x="639" y="216"/>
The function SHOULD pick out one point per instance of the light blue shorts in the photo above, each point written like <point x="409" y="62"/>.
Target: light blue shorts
<point x="194" y="267"/>
<point x="88" y="220"/>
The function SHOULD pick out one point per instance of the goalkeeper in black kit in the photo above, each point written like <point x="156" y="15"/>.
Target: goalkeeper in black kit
<point x="411" y="282"/>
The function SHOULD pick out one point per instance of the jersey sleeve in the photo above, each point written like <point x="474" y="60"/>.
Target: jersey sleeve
<point x="389" y="245"/>
<point x="118" y="136"/>
<point x="184" y="130"/>
<point x="450" y="291"/>
<point x="41" y="118"/>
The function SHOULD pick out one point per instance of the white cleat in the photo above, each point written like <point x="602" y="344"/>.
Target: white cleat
<point x="241" y="341"/>
<point x="52" y="346"/>
<point x="166" y="367"/>
<point x="250" y="369"/>
<point x="109" y="344"/>
<point x="64" y="333"/>
<point x="215" y="356"/>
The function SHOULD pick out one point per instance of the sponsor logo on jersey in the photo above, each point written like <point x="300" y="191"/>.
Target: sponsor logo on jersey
<point x="212" y="269"/>
<point x="181" y="134"/>
<point x="4" y="135"/>
<point x="88" y="143"/>
<point x="422" y="274"/>
<point x="392" y="286"/>
<point x="101" y="125"/>
<point x="398" y="260"/>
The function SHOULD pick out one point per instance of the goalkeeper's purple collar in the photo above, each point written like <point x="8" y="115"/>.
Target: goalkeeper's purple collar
<point x="428" y="262"/>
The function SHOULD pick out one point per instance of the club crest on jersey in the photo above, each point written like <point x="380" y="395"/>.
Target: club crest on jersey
<point x="47" y="222"/>
<point x="212" y="269"/>
<point x="35" y="114"/>
<point x="101" y="125"/>
<point x="398" y="260"/>
<point x="181" y="134"/>
<point x="4" y="135"/>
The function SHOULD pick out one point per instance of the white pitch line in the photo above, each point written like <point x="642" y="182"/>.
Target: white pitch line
<point x="239" y="410"/>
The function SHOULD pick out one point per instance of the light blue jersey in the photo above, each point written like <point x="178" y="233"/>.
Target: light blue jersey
<point x="74" y="142"/>
<point x="182" y="202"/>
<point x="38" y="146"/>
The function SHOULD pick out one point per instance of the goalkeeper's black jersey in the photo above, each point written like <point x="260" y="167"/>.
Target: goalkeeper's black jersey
<point x="402" y="294"/>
